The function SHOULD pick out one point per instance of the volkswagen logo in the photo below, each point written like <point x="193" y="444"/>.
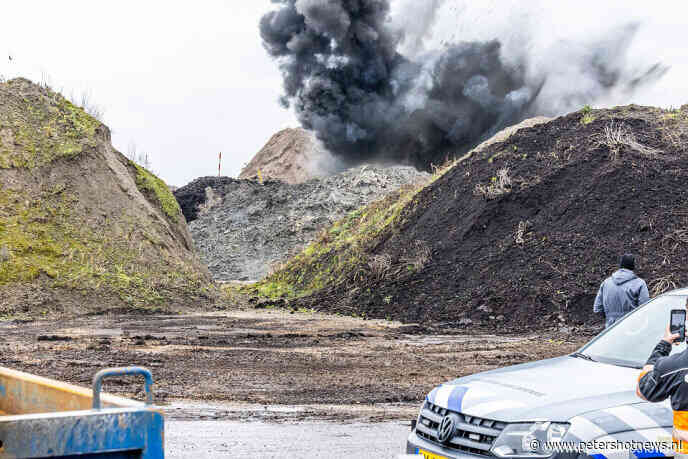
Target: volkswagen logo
<point x="445" y="431"/>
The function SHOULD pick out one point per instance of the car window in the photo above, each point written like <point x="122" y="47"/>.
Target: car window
<point x="630" y="341"/>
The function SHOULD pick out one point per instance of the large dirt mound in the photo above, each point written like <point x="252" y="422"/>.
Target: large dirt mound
<point x="244" y="227"/>
<point x="291" y="155"/>
<point x="81" y="227"/>
<point x="520" y="233"/>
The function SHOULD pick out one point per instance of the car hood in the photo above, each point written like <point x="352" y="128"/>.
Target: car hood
<point x="554" y="390"/>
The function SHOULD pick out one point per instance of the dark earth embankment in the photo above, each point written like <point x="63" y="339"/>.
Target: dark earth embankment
<point x="81" y="227"/>
<point x="520" y="234"/>
<point x="192" y="197"/>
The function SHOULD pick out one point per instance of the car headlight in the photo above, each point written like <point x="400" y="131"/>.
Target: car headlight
<point x="531" y="440"/>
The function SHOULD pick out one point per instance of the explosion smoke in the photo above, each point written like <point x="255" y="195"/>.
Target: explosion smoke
<point x="347" y="80"/>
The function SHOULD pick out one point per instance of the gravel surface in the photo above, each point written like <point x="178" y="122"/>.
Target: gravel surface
<point x="216" y="439"/>
<point x="243" y="228"/>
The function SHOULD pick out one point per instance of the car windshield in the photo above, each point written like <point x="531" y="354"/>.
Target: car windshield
<point x="630" y="341"/>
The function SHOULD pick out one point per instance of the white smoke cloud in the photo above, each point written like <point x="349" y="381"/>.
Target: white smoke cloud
<point x="414" y="21"/>
<point x="556" y="36"/>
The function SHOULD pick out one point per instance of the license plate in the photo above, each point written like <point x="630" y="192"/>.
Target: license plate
<point x="429" y="455"/>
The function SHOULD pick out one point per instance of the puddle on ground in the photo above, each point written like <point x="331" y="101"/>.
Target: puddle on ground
<point x="90" y="332"/>
<point x="428" y="340"/>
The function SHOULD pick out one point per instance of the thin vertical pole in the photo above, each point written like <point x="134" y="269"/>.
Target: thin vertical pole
<point x="219" y="165"/>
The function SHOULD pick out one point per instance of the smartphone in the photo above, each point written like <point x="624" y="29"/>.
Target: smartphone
<point x="678" y="324"/>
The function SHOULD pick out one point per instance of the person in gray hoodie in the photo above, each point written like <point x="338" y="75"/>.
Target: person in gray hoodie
<point x="620" y="293"/>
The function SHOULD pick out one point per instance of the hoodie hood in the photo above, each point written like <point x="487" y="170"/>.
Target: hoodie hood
<point x="622" y="276"/>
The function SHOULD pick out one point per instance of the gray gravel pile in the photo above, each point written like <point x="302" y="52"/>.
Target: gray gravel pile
<point x="245" y="228"/>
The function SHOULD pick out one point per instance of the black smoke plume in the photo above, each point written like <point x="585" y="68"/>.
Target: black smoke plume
<point x="348" y="82"/>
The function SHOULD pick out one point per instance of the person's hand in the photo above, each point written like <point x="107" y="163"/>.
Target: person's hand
<point x="670" y="337"/>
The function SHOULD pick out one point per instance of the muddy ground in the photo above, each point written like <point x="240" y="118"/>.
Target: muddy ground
<point x="268" y="365"/>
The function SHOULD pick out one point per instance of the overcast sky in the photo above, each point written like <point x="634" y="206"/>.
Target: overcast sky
<point x="182" y="80"/>
<point x="186" y="80"/>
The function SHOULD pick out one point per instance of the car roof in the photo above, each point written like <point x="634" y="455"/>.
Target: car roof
<point x="678" y="291"/>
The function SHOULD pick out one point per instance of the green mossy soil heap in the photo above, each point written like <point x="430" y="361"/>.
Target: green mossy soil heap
<point x="519" y="234"/>
<point x="81" y="227"/>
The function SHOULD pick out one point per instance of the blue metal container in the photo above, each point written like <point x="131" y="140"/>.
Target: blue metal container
<point x="43" y="418"/>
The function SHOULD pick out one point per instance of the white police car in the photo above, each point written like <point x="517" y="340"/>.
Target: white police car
<point x="586" y="397"/>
